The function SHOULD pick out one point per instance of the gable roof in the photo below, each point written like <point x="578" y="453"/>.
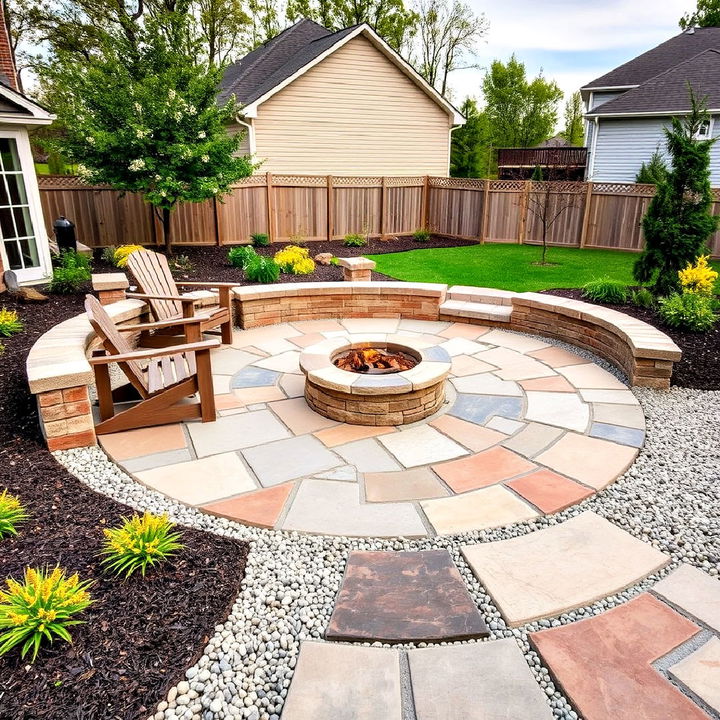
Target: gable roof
<point x="272" y="66"/>
<point x="665" y="56"/>
<point x="19" y="109"/>
<point x="667" y="93"/>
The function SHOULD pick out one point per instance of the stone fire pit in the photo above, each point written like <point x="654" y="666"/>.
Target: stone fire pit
<point x="394" y="398"/>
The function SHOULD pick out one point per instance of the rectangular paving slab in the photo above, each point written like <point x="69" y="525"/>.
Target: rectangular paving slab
<point x="700" y="672"/>
<point x="421" y="445"/>
<point x="404" y="597"/>
<point x="480" y="408"/>
<point x="695" y="592"/>
<point x="561" y="567"/>
<point x="478" y="681"/>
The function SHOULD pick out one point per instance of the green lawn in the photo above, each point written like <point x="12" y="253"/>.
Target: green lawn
<point x="509" y="267"/>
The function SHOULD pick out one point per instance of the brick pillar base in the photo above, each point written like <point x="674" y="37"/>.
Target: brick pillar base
<point x="356" y="269"/>
<point x="66" y="418"/>
<point x="110" y="287"/>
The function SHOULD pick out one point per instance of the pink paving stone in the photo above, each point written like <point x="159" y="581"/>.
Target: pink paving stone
<point x="341" y="434"/>
<point x="557" y="357"/>
<point x="472" y="436"/>
<point x="227" y="401"/>
<point x="261" y="507"/>
<point x="307" y="340"/>
<point x="145" y="441"/>
<point x="466" y="365"/>
<point x="485" y="468"/>
<point x="252" y="395"/>
<point x="603" y="663"/>
<point x="464" y="330"/>
<point x="549" y="384"/>
<point x="549" y="491"/>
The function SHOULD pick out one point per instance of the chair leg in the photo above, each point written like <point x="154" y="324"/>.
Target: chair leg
<point x="104" y="391"/>
<point x="226" y="333"/>
<point x="205" y="386"/>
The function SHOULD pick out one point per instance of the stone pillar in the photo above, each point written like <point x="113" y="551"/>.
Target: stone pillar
<point x="66" y="418"/>
<point x="356" y="269"/>
<point x="110" y="287"/>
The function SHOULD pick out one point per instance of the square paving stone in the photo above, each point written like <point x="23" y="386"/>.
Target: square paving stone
<point x="486" y="384"/>
<point x="253" y="376"/>
<point x="620" y="397"/>
<point x="148" y="462"/>
<point x="483" y="469"/>
<point x="299" y="417"/>
<point x="334" y="508"/>
<point x="421" y="445"/>
<point x="514" y="365"/>
<point x="478" y="681"/>
<point x="293" y="385"/>
<point x="404" y="597"/>
<point x="564" y="410"/>
<point x="145" y="441"/>
<point x="695" y="592"/>
<point x="533" y="438"/>
<point x="521" y="343"/>
<point x="604" y="663"/>
<point x="488" y="507"/>
<point x="504" y="425"/>
<point x="261" y="507"/>
<point x="254" y="395"/>
<point x="480" y="408"/>
<point x="424" y="326"/>
<point x="561" y="567"/>
<point x="415" y="484"/>
<point x="618" y="434"/>
<point x="556" y="357"/>
<point x="277" y="462"/>
<point x="229" y="361"/>
<point x="235" y="432"/>
<point x="465" y="365"/>
<point x="626" y="415"/>
<point x="370" y="325"/>
<point x="549" y="491"/>
<point x="286" y="362"/>
<point x="345" y="433"/>
<point x="344" y="682"/>
<point x="464" y="330"/>
<point x="472" y="436"/>
<point x="555" y="383"/>
<point x="462" y="346"/>
<point x="591" y="376"/>
<point x="700" y="672"/>
<point x="367" y="456"/>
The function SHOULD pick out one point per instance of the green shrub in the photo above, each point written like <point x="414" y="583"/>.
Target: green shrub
<point x="10" y="323"/>
<point x="42" y="606"/>
<point x="12" y="513"/>
<point x="71" y="271"/>
<point x="262" y="270"/>
<point x="138" y="543"/>
<point x="354" y="240"/>
<point x="421" y="235"/>
<point x="240" y="256"/>
<point x="687" y="311"/>
<point x="643" y="298"/>
<point x="606" y="290"/>
<point x="260" y="239"/>
<point x="334" y="261"/>
<point x="108" y="254"/>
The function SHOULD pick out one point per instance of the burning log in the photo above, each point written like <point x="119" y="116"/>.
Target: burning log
<point x="374" y="360"/>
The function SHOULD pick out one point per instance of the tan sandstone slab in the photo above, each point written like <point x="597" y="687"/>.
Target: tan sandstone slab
<point x="472" y="436"/>
<point x="700" y="672"/>
<point x="415" y="484"/>
<point x="693" y="591"/>
<point x="485" y="508"/>
<point x="625" y="415"/>
<point x="344" y="682"/>
<point x="551" y="571"/>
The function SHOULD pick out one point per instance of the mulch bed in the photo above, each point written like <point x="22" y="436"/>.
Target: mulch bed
<point x="140" y="634"/>
<point x="700" y="364"/>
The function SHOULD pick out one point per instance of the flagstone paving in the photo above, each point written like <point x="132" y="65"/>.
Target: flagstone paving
<point x="527" y="429"/>
<point x="700" y="673"/>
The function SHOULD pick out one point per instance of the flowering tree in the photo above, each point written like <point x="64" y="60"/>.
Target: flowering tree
<point x="145" y="119"/>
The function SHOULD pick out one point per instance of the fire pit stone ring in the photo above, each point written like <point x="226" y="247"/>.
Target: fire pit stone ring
<point x="398" y="398"/>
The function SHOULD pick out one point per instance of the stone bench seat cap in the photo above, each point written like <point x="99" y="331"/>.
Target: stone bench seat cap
<point x="255" y="292"/>
<point x="357" y="263"/>
<point x="109" y="281"/>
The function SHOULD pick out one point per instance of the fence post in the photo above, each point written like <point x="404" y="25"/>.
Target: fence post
<point x="382" y="208"/>
<point x="485" y="212"/>
<point x="270" y="207"/>
<point x="330" y="208"/>
<point x="426" y="203"/>
<point x="586" y="214"/>
<point x="524" y="202"/>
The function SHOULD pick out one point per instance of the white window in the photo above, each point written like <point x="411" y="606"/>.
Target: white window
<point x="705" y="130"/>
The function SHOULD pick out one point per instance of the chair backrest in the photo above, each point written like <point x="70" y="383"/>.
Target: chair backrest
<point x="153" y="276"/>
<point x="114" y="342"/>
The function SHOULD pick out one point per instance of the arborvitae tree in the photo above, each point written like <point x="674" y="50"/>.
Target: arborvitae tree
<point x="653" y="171"/>
<point x="678" y="222"/>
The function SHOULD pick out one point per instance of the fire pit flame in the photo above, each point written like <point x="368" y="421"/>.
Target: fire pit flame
<point x="375" y="361"/>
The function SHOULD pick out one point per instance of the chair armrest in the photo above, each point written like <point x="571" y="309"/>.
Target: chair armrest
<point x="155" y="352"/>
<point x="182" y="283"/>
<point x="142" y="296"/>
<point x="162" y="324"/>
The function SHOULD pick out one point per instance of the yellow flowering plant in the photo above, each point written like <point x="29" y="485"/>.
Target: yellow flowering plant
<point x="121" y="254"/>
<point x="11" y="514"/>
<point x="295" y="260"/>
<point x="10" y="322"/>
<point x="138" y="543"/>
<point x="42" y="606"/>
<point x="698" y="278"/>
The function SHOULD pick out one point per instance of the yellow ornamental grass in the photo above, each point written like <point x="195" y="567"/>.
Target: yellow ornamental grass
<point x="120" y="256"/>
<point x="698" y="278"/>
<point x="41" y="607"/>
<point x="11" y="514"/>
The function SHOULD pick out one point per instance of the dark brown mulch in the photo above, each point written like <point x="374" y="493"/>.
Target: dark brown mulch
<point x="140" y="635"/>
<point x="700" y="364"/>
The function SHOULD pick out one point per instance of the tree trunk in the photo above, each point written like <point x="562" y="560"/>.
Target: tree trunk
<point x="167" y="230"/>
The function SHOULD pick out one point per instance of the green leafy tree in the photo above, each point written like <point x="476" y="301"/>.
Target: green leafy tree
<point x="653" y="171"/>
<point x="521" y="112"/>
<point x="707" y="14"/>
<point x="574" y="131"/>
<point x="470" y="152"/>
<point x="679" y="222"/>
<point x="145" y="119"/>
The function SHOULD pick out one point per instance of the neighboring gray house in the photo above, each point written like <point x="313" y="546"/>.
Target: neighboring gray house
<point x="628" y="108"/>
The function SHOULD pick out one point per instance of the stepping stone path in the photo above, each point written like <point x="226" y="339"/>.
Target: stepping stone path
<point x="528" y="429"/>
<point x="550" y="571"/>
<point x="404" y="597"/>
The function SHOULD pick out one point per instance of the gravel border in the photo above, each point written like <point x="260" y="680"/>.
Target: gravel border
<point x="668" y="498"/>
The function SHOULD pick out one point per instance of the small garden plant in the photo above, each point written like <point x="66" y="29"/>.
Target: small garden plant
<point x="421" y="235"/>
<point x="262" y="270"/>
<point x="10" y="323"/>
<point x="260" y="239"/>
<point x="120" y="255"/>
<point x="71" y="271"/>
<point x="354" y="240"/>
<point x="241" y="255"/>
<point x="138" y="543"/>
<point x="12" y="513"/>
<point x="605" y="290"/>
<point x="41" y="607"/>
<point x="688" y="311"/>
<point x="180" y="264"/>
<point x="642" y="297"/>
<point x="295" y="260"/>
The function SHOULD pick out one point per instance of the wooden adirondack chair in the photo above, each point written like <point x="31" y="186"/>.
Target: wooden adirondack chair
<point x="171" y="375"/>
<point x="158" y="288"/>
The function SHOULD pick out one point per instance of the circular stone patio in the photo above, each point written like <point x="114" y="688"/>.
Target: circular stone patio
<point x="527" y="429"/>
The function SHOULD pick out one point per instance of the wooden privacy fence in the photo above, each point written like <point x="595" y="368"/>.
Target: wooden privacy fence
<point x="318" y="207"/>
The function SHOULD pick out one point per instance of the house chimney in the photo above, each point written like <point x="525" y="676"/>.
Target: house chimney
<point x="7" y="66"/>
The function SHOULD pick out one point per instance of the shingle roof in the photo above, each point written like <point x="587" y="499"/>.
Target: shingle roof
<point x="668" y="92"/>
<point x="661" y="58"/>
<point x="268" y="65"/>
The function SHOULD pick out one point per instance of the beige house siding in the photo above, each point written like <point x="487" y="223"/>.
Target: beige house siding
<point x="354" y="113"/>
<point x="244" y="148"/>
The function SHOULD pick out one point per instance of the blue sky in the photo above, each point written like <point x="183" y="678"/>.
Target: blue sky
<point x="571" y="41"/>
